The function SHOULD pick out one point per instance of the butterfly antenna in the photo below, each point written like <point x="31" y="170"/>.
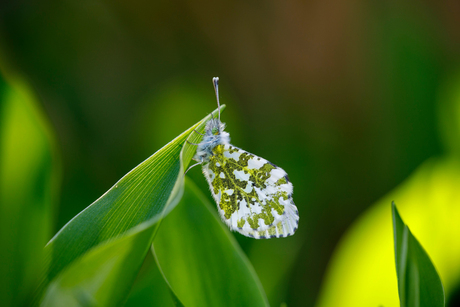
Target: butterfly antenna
<point x="215" y="82"/>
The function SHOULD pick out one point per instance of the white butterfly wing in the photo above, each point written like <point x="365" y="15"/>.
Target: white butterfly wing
<point x="253" y="196"/>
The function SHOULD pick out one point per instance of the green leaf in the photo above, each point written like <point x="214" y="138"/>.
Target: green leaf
<point x="29" y="175"/>
<point x="123" y="220"/>
<point x="418" y="282"/>
<point x="201" y="260"/>
<point x="150" y="288"/>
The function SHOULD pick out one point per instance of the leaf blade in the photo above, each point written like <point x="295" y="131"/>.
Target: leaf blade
<point x="29" y="177"/>
<point x="418" y="281"/>
<point x="150" y="288"/>
<point x="201" y="260"/>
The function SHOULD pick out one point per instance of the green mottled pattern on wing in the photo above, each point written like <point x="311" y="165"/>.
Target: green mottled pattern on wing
<point x="225" y="180"/>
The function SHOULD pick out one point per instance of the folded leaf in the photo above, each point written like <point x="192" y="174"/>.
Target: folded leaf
<point x="123" y="220"/>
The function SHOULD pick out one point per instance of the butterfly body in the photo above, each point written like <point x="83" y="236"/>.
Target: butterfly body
<point x="214" y="135"/>
<point x="253" y="196"/>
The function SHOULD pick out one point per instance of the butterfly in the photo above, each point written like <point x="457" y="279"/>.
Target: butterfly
<point x="253" y="196"/>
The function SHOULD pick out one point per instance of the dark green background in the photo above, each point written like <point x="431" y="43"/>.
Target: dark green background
<point x="341" y="94"/>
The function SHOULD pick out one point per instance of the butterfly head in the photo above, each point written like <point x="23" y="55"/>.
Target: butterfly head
<point x="214" y="127"/>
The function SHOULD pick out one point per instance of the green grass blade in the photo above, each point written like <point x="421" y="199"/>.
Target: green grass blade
<point x="201" y="260"/>
<point x="419" y="284"/>
<point x="29" y="174"/>
<point x="123" y="220"/>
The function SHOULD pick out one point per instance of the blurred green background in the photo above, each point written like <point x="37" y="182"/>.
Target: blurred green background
<point x="349" y="97"/>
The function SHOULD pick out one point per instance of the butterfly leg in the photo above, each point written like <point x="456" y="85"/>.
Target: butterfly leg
<point x="194" y="166"/>
<point x="199" y="143"/>
<point x="198" y="132"/>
